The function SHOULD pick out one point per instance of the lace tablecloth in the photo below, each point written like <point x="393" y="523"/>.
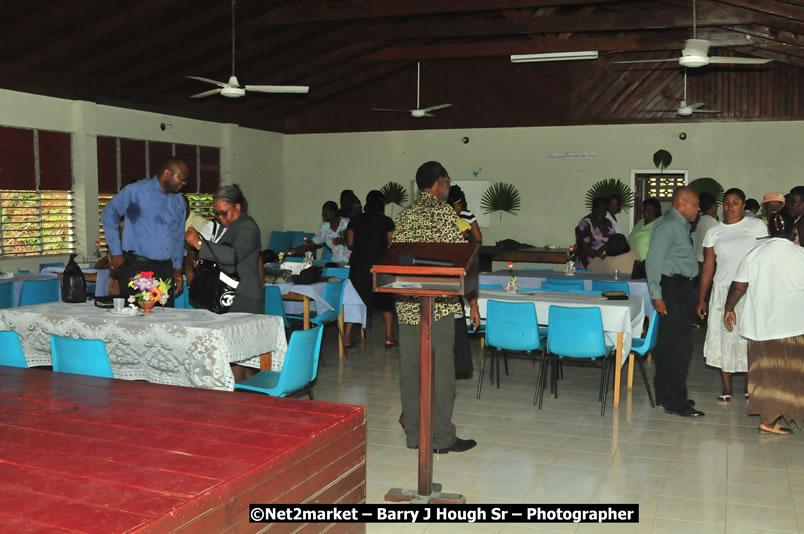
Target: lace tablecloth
<point x="170" y="346"/>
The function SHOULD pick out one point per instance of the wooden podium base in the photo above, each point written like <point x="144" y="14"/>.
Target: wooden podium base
<point x="435" y="497"/>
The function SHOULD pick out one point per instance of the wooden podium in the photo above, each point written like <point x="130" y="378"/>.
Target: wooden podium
<point x="427" y="282"/>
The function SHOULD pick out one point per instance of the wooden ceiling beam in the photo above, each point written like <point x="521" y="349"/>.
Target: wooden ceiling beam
<point x="772" y="7"/>
<point x="151" y="41"/>
<point x="316" y="11"/>
<point x="472" y="26"/>
<point x="84" y="33"/>
<point x="635" y="42"/>
<point x="771" y="34"/>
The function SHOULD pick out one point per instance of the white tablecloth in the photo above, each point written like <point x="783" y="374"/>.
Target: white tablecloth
<point x="18" y="279"/>
<point x="102" y="284"/>
<point x="170" y="346"/>
<point x="624" y="316"/>
<point x="354" y="310"/>
<point x="637" y="288"/>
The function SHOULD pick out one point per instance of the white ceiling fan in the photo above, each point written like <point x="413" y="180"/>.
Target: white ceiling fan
<point x="419" y="112"/>
<point x="695" y="53"/>
<point x="233" y="89"/>
<point x="684" y="109"/>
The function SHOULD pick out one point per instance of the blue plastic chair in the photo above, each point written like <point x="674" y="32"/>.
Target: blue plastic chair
<point x="23" y="271"/>
<point x="577" y="334"/>
<point x="640" y="346"/>
<point x="489" y="286"/>
<point x="333" y="294"/>
<point x="299" y="369"/>
<point x="11" y="352"/>
<point x="182" y="301"/>
<point x="335" y="272"/>
<point x="279" y="241"/>
<point x="295" y="238"/>
<point x="574" y="284"/>
<point x="39" y="291"/>
<point x="606" y="285"/>
<point x="563" y="281"/>
<point x="43" y="266"/>
<point x="509" y="326"/>
<point x="274" y="304"/>
<point x="326" y="253"/>
<point x="6" y="295"/>
<point x="80" y="356"/>
<point x="585" y="291"/>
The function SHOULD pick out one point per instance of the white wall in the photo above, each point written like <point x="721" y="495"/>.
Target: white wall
<point x="756" y="156"/>
<point x="249" y="157"/>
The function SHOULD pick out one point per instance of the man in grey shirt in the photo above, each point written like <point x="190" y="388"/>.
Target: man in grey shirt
<point x="671" y="268"/>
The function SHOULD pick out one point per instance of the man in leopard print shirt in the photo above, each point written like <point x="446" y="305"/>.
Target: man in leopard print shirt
<point x="430" y="220"/>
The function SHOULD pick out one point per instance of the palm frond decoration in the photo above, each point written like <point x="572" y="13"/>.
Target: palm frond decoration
<point x="708" y="185"/>
<point x="607" y="188"/>
<point x="500" y="197"/>
<point x="662" y="159"/>
<point x="394" y="193"/>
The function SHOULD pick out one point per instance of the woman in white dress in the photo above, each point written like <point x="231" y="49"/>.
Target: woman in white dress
<point x="725" y="244"/>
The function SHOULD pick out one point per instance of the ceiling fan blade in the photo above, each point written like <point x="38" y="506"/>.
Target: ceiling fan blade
<point x="697" y="105"/>
<point x="695" y="47"/>
<point x="207" y="93"/>
<point x="646" y="60"/>
<point x="302" y="89"/>
<point x="426" y="114"/>
<point x="706" y="111"/>
<point x="388" y="109"/>
<point x="207" y="80"/>
<point x="739" y="60"/>
<point x="662" y="110"/>
<point x="433" y="108"/>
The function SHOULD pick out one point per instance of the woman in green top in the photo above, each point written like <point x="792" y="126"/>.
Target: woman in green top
<point x="640" y="236"/>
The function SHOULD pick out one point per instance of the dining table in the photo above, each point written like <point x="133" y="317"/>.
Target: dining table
<point x="622" y="319"/>
<point x="184" y="347"/>
<point x="532" y="279"/>
<point x="18" y="278"/>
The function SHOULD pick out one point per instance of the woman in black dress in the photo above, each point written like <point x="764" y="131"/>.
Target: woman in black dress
<point x="368" y="236"/>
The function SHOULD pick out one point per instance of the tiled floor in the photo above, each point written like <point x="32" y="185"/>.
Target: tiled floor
<point x="714" y="474"/>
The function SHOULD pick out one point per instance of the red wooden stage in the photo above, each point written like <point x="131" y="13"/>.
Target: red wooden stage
<point x="85" y="454"/>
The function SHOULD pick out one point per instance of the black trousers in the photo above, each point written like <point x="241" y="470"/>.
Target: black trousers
<point x="133" y="265"/>
<point x="674" y="345"/>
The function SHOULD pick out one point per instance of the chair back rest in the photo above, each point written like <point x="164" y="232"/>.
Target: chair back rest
<point x="562" y="287"/>
<point x="606" y="285"/>
<point x="512" y="326"/>
<point x="279" y="241"/>
<point x="182" y="301"/>
<point x="489" y="286"/>
<point x="564" y="281"/>
<point x="80" y="356"/>
<point x="333" y="294"/>
<point x="274" y="304"/>
<point x="6" y="295"/>
<point x="301" y="360"/>
<point x="575" y="332"/>
<point x="652" y="336"/>
<point x="326" y="253"/>
<point x="43" y="266"/>
<point x="295" y="239"/>
<point x="11" y="352"/>
<point x="335" y="272"/>
<point x="39" y="291"/>
<point x="585" y="291"/>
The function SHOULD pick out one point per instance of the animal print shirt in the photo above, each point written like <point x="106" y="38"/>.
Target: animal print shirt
<point x="428" y="220"/>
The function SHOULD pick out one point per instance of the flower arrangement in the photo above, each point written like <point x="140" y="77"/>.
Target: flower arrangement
<point x="512" y="286"/>
<point x="98" y="253"/>
<point x="150" y="290"/>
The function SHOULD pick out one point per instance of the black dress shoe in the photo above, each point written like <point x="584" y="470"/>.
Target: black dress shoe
<point x="460" y="445"/>
<point x="689" y="401"/>
<point x="686" y="411"/>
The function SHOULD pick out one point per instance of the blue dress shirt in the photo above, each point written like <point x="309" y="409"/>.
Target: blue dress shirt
<point x="154" y="222"/>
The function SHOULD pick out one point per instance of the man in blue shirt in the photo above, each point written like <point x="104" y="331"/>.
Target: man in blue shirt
<point x="671" y="268"/>
<point x="153" y="236"/>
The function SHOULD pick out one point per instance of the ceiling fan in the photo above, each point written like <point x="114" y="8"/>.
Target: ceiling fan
<point x="684" y="109"/>
<point x="419" y="112"/>
<point x="695" y="53"/>
<point x="233" y="89"/>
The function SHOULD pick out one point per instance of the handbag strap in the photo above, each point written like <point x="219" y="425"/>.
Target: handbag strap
<point x="212" y="250"/>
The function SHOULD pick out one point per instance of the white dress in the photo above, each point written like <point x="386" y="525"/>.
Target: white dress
<point x="726" y="350"/>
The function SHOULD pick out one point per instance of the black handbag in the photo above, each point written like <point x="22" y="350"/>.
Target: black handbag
<point x="213" y="289"/>
<point x="73" y="283"/>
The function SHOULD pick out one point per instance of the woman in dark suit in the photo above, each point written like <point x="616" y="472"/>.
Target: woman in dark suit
<point x="236" y="246"/>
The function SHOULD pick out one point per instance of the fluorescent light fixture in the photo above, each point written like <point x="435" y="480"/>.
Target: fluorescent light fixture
<point x="554" y="56"/>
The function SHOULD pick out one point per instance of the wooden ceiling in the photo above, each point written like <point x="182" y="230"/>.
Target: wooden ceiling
<point x="358" y="54"/>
